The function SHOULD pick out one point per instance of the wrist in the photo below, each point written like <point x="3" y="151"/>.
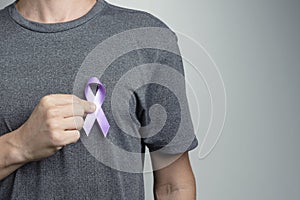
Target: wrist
<point x="15" y="151"/>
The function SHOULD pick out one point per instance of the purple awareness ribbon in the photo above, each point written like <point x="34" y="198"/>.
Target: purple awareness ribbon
<point x="98" y="100"/>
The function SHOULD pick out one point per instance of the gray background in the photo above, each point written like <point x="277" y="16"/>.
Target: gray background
<point x="256" y="45"/>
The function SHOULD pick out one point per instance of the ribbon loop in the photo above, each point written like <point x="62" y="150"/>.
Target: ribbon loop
<point x="98" y="100"/>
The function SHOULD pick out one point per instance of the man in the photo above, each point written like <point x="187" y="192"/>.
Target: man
<point x="42" y="45"/>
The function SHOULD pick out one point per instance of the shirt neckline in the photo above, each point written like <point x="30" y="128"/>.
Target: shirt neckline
<point x="54" y="27"/>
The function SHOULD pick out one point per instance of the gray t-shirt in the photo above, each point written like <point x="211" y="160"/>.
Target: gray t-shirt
<point x="38" y="59"/>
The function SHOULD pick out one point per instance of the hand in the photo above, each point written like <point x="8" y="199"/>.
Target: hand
<point x="54" y="123"/>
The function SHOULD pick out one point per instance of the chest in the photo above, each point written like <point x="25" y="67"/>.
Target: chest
<point x="31" y="69"/>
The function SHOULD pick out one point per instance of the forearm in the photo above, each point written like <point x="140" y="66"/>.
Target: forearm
<point x="175" y="191"/>
<point x="175" y="181"/>
<point x="10" y="155"/>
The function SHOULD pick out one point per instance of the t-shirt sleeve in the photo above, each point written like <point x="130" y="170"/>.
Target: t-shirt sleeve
<point x="162" y="108"/>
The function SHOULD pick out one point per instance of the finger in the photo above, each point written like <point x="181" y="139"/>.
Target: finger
<point x="72" y="110"/>
<point x="72" y="123"/>
<point x="70" y="137"/>
<point x="88" y="107"/>
<point x="61" y="99"/>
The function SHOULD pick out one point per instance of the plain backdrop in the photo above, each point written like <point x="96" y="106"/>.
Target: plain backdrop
<point x="256" y="46"/>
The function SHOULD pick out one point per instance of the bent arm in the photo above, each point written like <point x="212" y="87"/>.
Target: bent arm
<point x="176" y="181"/>
<point x="54" y="123"/>
<point x="10" y="155"/>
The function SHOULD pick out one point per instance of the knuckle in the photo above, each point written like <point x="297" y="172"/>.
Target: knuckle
<point x="81" y="111"/>
<point x="52" y="113"/>
<point x="45" y="100"/>
<point x="77" y="135"/>
<point x="75" y="98"/>
<point x="79" y="122"/>
<point x="54" y="139"/>
<point x="52" y="124"/>
<point x="77" y="110"/>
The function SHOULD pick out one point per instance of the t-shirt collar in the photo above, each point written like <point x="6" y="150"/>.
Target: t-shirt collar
<point x="54" y="27"/>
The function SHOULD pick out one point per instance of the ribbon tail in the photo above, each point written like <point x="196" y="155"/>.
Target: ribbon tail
<point x="103" y="123"/>
<point x="88" y="123"/>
